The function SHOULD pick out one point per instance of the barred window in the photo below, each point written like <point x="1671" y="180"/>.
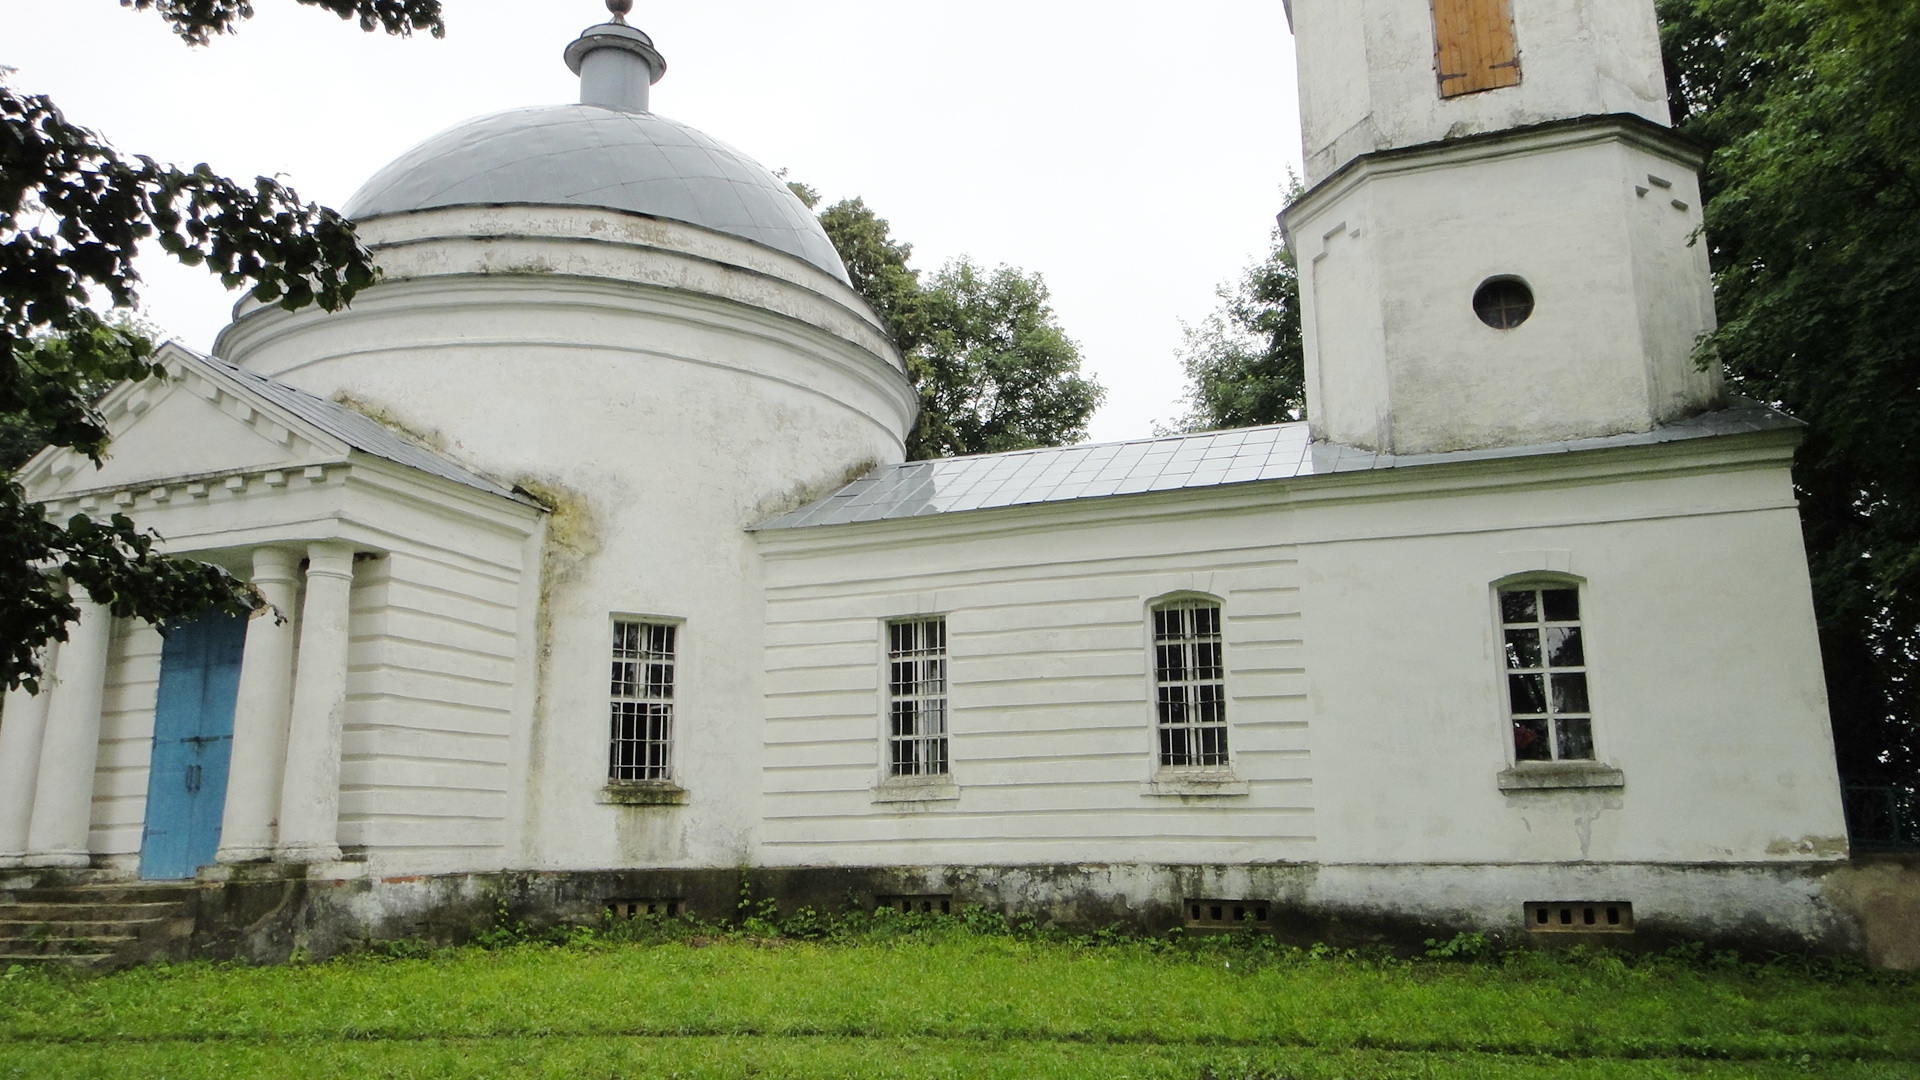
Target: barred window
<point x="917" y="697"/>
<point x="1546" y="673"/>
<point x="1190" y="682"/>
<point x="643" y="662"/>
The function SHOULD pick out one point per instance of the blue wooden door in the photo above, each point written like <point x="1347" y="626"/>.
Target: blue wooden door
<point x="192" y="743"/>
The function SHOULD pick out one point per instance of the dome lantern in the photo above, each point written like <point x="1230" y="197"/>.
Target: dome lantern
<point x="617" y="64"/>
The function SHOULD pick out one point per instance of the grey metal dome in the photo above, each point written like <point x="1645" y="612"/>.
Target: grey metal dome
<point x="590" y="155"/>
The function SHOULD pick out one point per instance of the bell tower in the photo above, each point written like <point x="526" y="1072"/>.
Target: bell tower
<point x="1498" y="247"/>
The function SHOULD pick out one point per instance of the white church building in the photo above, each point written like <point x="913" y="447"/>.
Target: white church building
<point x="595" y="576"/>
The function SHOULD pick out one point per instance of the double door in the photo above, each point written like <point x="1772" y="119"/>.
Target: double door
<point x="192" y="744"/>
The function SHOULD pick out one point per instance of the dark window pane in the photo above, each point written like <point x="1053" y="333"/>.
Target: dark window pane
<point x="1569" y="694"/>
<point x="1173" y="746"/>
<point x="1173" y="663"/>
<point x="1206" y="621"/>
<point x="1207" y="661"/>
<point x="1562" y="605"/>
<point x="1518" y="607"/>
<point x="1530" y="741"/>
<point x="1523" y="648"/>
<point x="1527" y="693"/>
<point x="1564" y="648"/>
<point x="1576" y="740"/>
<point x="1173" y="705"/>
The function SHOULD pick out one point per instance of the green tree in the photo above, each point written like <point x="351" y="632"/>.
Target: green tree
<point x="1812" y="195"/>
<point x="994" y="369"/>
<point x="1245" y="363"/>
<point x="23" y="435"/>
<point x="74" y="213"/>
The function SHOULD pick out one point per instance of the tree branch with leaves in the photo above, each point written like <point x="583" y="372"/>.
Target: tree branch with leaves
<point x="74" y="215"/>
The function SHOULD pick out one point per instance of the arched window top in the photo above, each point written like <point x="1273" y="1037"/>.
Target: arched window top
<point x="1539" y="579"/>
<point x="1184" y="598"/>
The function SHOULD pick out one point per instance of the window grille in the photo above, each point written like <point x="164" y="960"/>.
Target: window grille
<point x="643" y="663"/>
<point x="1546" y="674"/>
<point x="1190" y="684"/>
<point x="917" y="697"/>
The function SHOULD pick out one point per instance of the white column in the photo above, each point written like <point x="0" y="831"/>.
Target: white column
<point x="260" y="714"/>
<point x="63" y="791"/>
<point x="23" y="723"/>
<point x="310" y="796"/>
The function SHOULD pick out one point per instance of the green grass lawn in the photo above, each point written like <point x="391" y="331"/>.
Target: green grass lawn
<point x="946" y="1002"/>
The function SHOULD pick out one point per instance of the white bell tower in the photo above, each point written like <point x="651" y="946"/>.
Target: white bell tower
<point x="1498" y="247"/>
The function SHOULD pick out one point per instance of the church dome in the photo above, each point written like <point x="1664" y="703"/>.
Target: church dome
<point x="610" y="152"/>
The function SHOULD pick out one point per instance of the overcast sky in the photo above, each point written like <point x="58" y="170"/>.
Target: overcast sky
<point x="1134" y="153"/>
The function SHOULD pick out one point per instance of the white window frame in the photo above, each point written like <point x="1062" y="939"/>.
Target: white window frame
<point x="1216" y="778"/>
<point x="666" y="771"/>
<point x="1545" y="670"/>
<point x="919" y="786"/>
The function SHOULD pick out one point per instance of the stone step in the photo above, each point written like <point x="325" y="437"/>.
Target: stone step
<point x="75" y="960"/>
<point x="102" y="894"/>
<point x="69" y="911"/>
<point x="73" y="928"/>
<point x="103" y="945"/>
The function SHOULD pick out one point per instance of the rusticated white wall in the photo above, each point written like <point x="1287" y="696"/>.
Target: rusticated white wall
<point x="1366" y="694"/>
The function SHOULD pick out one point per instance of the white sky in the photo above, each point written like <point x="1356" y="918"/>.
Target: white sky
<point x="1132" y="152"/>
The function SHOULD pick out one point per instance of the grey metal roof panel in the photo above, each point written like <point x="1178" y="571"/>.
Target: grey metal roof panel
<point x="362" y="433"/>
<point x="587" y="155"/>
<point x="1178" y="462"/>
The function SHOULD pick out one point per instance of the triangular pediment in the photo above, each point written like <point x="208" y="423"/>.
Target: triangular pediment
<point x="198" y="421"/>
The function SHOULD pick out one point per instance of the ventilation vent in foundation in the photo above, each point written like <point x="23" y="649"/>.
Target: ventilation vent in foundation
<point x="1229" y="914"/>
<point x="640" y="909"/>
<point x="1582" y="917"/>
<point x="931" y="904"/>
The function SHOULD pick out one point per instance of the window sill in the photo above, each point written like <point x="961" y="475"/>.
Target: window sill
<point x="1170" y="782"/>
<point x="642" y="793"/>
<point x="916" y="789"/>
<point x="1561" y="775"/>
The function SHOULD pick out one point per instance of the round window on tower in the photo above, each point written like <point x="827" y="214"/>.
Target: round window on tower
<point x="1503" y="302"/>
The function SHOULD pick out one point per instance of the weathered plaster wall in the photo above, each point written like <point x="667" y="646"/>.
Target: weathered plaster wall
<point x="1364" y="673"/>
<point x="1392" y="253"/>
<point x="1881" y="893"/>
<point x="1368" y="82"/>
<point x="666" y="387"/>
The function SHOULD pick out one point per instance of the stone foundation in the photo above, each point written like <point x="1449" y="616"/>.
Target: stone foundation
<point x="1869" y="908"/>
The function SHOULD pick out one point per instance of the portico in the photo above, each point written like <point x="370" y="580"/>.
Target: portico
<point x="261" y="775"/>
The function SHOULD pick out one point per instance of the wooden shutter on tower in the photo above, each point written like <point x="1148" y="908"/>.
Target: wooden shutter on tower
<point x="1474" y="47"/>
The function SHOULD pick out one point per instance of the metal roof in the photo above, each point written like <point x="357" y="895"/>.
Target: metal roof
<point x="362" y="433"/>
<point x="1179" y="462"/>
<point x="587" y="155"/>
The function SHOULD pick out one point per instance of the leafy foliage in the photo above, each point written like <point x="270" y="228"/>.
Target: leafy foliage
<point x="994" y="368"/>
<point x="74" y="213"/>
<point x="198" y="20"/>
<point x="996" y="371"/>
<point x="1245" y="363"/>
<point x="1813" y="217"/>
